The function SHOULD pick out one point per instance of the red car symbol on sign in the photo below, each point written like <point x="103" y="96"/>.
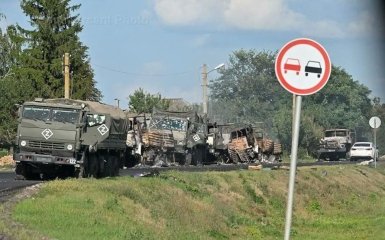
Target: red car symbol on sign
<point x="292" y="64"/>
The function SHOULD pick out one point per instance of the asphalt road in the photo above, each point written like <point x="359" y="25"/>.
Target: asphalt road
<point x="8" y="184"/>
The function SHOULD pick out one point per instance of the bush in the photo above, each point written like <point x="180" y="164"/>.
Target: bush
<point x="3" y="152"/>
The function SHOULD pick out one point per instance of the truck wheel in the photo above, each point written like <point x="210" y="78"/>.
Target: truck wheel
<point x="188" y="158"/>
<point x="19" y="172"/>
<point x="23" y="172"/>
<point x="233" y="156"/>
<point x="93" y="163"/>
<point x="80" y="173"/>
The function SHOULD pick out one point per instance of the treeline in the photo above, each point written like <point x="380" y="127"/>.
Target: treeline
<point x="31" y="60"/>
<point x="248" y="91"/>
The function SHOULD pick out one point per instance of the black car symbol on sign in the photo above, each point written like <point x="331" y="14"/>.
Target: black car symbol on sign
<point x="313" y="67"/>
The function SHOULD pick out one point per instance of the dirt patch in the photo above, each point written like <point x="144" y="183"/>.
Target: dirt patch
<point x="7" y="161"/>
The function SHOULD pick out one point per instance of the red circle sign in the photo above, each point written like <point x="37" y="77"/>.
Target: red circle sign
<point x="302" y="66"/>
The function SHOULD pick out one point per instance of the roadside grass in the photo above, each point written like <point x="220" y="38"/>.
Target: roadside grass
<point x="330" y="203"/>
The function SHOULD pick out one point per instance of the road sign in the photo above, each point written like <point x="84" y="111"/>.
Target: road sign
<point x="375" y="122"/>
<point x="303" y="66"/>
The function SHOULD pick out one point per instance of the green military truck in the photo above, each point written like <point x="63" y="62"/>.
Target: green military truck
<point x="174" y="138"/>
<point x="64" y="137"/>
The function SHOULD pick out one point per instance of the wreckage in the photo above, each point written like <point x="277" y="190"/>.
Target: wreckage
<point x="173" y="138"/>
<point x="242" y="143"/>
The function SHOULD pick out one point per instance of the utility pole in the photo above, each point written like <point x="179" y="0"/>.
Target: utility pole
<point x="66" y="75"/>
<point x="204" y="88"/>
<point x="117" y="100"/>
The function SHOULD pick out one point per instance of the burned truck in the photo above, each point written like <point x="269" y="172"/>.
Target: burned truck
<point x="64" y="137"/>
<point x="174" y="138"/>
<point x="336" y="144"/>
<point x="242" y="143"/>
<point x="251" y="144"/>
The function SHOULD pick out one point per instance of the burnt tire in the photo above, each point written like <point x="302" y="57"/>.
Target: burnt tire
<point x="188" y="159"/>
<point x="233" y="156"/>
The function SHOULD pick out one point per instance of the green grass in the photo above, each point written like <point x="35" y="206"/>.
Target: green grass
<point x="330" y="203"/>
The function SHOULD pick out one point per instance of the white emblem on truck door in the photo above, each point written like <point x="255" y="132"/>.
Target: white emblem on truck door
<point x="196" y="138"/>
<point x="103" y="129"/>
<point x="47" y="133"/>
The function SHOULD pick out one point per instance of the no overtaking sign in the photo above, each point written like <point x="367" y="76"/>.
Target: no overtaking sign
<point x="302" y="66"/>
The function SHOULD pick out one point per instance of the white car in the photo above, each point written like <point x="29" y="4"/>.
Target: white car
<point x="362" y="150"/>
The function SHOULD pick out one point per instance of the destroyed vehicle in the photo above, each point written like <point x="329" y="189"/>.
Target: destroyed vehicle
<point x="174" y="138"/>
<point x="246" y="144"/>
<point x="269" y="151"/>
<point x="218" y="139"/>
<point x="336" y="144"/>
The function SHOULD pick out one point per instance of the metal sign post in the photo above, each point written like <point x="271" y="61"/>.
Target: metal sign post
<point x="375" y="123"/>
<point x="293" y="165"/>
<point x="303" y="68"/>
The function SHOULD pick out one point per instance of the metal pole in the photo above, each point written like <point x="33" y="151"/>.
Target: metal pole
<point x="292" y="125"/>
<point x="66" y="75"/>
<point x="375" y="145"/>
<point x="117" y="100"/>
<point x="204" y="88"/>
<point x="293" y="166"/>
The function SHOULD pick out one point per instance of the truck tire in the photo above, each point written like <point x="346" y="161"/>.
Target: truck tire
<point x="233" y="156"/>
<point x="188" y="159"/>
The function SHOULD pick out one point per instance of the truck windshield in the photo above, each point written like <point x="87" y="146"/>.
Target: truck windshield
<point x="51" y="114"/>
<point x="169" y="124"/>
<point x="330" y="134"/>
<point x="341" y="133"/>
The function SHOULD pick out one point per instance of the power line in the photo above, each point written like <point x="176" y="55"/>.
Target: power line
<point x="143" y="74"/>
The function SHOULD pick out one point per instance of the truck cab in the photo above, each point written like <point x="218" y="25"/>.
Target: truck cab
<point x="336" y="144"/>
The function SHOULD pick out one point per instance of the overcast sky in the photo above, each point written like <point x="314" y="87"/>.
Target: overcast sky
<point x="160" y="45"/>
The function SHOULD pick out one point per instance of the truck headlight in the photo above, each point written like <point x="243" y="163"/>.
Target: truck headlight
<point x="70" y="147"/>
<point x="23" y="143"/>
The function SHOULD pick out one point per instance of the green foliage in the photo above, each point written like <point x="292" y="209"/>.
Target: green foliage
<point x="3" y="152"/>
<point x="144" y="102"/>
<point x="248" y="91"/>
<point x="55" y="32"/>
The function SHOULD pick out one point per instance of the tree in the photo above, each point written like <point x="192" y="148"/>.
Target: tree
<point x="248" y="87"/>
<point x="11" y="90"/>
<point x="143" y="102"/>
<point x="55" y="32"/>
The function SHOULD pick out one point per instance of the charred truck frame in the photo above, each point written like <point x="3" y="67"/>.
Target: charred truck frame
<point x="242" y="143"/>
<point x="336" y="144"/>
<point x="174" y="138"/>
<point x="66" y="137"/>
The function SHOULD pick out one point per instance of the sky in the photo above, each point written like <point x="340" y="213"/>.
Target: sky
<point x="161" y="45"/>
